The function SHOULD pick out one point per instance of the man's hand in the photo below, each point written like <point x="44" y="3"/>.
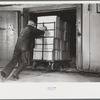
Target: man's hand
<point x="43" y="28"/>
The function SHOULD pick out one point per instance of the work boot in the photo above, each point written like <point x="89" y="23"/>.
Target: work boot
<point x="3" y="76"/>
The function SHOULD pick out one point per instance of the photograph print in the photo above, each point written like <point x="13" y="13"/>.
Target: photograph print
<point x="56" y="42"/>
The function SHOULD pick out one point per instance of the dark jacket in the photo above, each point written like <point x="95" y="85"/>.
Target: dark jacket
<point x="27" y="37"/>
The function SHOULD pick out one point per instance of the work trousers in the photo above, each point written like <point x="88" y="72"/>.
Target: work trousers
<point x="20" y="57"/>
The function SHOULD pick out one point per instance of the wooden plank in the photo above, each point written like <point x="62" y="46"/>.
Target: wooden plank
<point x="50" y="8"/>
<point x="85" y="37"/>
<point x="12" y="8"/>
<point x="78" y="37"/>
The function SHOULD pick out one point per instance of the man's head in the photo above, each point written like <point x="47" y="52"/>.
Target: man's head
<point x="31" y="23"/>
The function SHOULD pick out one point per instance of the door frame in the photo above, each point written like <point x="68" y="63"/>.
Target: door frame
<point x="61" y="7"/>
<point x="79" y="35"/>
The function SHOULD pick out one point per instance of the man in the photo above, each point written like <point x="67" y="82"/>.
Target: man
<point x="22" y="49"/>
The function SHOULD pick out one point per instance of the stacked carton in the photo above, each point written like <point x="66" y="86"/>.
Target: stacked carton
<point x="53" y="46"/>
<point x="37" y="55"/>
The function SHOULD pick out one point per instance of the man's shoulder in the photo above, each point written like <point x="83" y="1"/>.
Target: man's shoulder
<point x="28" y="28"/>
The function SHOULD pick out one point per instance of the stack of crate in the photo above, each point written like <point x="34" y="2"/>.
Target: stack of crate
<point x="63" y="41"/>
<point x="53" y="45"/>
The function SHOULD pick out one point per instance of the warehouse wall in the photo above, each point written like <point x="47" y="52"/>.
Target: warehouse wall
<point x="91" y="38"/>
<point x="8" y="34"/>
<point x="94" y="39"/>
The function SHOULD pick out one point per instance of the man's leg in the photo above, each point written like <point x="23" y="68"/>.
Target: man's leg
<point x="22" y="64"/>
<point x="10" y="66"/>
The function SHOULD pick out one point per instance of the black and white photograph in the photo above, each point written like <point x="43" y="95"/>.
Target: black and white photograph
<point x="56" y="42"/>
<point x="49" y="50"/>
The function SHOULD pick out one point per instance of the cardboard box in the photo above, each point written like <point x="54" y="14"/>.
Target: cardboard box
<point x="60" y="55"/>
<point x="37" y="55"/>
<point x="38" y="48"/>
<point x="57" y="44"/>
<point x="48" y="40"/>
<point x="48" y="47"/>
<point x="65" y="25"/>
<point x="57" y="55"/>
<point x="58" y="33"/>
<point x="47" y="55"/>
<point x="47" y="19"/>
<point x="67" y="47"/>
<point x="49" y="33"/>
<point x="50" y="25"/>
<point x="39" y="41"/>
<point x="62" y="45"/>
<point x="65" y="36"/>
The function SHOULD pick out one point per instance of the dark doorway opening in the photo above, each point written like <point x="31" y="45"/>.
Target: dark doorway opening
<point x="70" y="17"/>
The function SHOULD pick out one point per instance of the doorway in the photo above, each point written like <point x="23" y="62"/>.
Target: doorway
<point x="70" y="17"/>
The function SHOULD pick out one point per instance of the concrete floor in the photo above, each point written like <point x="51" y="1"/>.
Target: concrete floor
<point x="66" y="75"/>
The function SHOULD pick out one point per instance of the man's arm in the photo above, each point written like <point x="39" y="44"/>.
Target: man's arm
<point x="39" y="33"/>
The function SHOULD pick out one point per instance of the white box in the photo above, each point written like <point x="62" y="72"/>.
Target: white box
<point x="49" y="33"/>
<point x="38" y="48"/>
<point x="63" y="56"/>
<point x="57" y="55"/>
<point x="39" y="41"/>
<point x="37" y="55"/>
<point x="58" y="33"/>
<point x="48" y="46"/>
<point x="51" y="50"/>
<point x="57" y="44"/>
<point x="48" y="40"/>
<point x="65" y="25"/>
<point x="61" y="24"/>
<point x="47" y="55"/>
<point x="67" y="48"/>
<point x="50" y="26"/>
<point x="60" y="55"/>
<point x="39" y="26"/>
<point x="62" y="34"/>
<point x="64" y="45"/>
<point x="65" y="36"/>
<point x="43" y="47"/>
<point x="46" y="19"/>
<point x="60" y="44"/>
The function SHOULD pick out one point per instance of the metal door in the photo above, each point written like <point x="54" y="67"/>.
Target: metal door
<point x="8" y="34"/>
<point x="94" y="38"/>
